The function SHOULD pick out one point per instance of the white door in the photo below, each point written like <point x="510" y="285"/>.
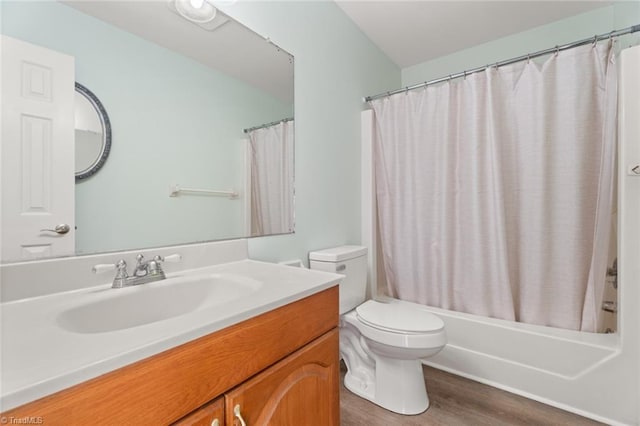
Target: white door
<point x="37" y="152"/>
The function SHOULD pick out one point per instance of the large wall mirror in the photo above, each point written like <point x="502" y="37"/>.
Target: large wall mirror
<point x="200" y="111"/>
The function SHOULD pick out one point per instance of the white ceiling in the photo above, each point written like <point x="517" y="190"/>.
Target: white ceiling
<point x="408" y="32"/>
<point x="231" y="48"/>
<point x="411" y="32"/>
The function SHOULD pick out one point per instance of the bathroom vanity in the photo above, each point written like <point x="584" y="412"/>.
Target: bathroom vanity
<point x="272" y="359"/>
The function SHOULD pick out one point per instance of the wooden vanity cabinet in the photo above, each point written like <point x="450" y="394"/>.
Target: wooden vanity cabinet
<point x="299" y="390"/>
<point x="281" y="367"/>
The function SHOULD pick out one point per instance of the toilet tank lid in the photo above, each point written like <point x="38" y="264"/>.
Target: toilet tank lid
<point x="338" y="254"/>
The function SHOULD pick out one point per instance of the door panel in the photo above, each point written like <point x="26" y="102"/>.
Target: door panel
<point x="37" y="157"/>
<point x="302" y="389"/>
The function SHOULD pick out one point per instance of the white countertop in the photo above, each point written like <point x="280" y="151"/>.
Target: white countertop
<point x="38" y="357"/>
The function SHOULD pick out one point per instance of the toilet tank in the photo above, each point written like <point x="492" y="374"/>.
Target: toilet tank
<point x="350" y="261"/>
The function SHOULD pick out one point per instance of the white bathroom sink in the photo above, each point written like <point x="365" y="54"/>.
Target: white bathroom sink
<point x="149" y="303"/>
<point x="58" y="340"/>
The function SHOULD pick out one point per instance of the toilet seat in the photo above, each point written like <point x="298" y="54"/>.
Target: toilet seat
<point x="393" y="317"/>
<point x="394" y="338"/>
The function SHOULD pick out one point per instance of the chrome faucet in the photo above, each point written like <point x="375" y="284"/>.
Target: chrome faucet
<point x="145" y="271"/>
<point x="145" y="268"/>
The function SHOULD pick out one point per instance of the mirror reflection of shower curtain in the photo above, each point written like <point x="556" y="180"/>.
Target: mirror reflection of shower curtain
<point x="271" y="151"/>
<point x="495" y="192"/>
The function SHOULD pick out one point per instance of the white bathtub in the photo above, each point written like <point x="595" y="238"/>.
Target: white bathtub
<point x="572" y="370"/>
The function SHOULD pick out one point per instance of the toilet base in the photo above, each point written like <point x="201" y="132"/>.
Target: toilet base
<point x="385" y="367"/>
<point x="399" y="386"/>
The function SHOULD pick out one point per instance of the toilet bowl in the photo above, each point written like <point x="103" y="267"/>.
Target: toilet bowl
<point x="381" y="342"/>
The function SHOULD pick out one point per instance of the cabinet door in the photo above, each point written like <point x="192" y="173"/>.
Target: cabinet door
<point x="302" y="389"/>
<point x="211" y="414"/>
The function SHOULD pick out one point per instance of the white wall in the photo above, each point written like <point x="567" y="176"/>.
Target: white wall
<point x="629" y="222"/>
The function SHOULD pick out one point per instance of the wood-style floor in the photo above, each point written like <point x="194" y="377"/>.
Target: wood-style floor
<point x="456" y="401"/>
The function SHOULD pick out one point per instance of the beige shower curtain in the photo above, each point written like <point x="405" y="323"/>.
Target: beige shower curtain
<point x="271" y="150"/>
<point x="495" y="191"/>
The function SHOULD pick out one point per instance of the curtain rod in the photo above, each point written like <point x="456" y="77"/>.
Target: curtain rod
<point x="594" y="39"/>
<point x="262" y="126"/>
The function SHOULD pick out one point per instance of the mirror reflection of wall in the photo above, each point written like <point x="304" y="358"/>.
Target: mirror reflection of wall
<point x="175" y="119"/>
<point x="88" y="134"/>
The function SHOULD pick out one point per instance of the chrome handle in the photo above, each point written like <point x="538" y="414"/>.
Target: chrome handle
<point x="236" y="413"/>
<point x="103" y="267"/>
<point x="61" y="229"/>
<point x="172" y="258"/>
<point x="121" y="272"/>
<point x="610" y="306"/>
<point x="120" y="266"/>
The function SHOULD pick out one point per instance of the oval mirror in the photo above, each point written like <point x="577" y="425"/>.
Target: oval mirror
<point x="92" y="133"/>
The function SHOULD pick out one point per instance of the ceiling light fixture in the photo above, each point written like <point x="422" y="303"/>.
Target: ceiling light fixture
<point x="198" y="11"/>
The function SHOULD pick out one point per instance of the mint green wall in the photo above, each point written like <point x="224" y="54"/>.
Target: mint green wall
<point x="174" y="121"/>
<point x="599" y="21"/>
<point x="336" y="65"/>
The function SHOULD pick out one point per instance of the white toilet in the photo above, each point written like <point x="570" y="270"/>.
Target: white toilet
<point x="381" y="343"/>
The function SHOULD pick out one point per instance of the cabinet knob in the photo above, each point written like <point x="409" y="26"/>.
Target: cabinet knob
<point x="215" y="422"/>
<point x="236" y="413"/>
